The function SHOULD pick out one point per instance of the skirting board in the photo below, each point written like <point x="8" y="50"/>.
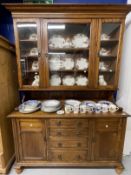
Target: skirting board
<point x="8" y="166"/>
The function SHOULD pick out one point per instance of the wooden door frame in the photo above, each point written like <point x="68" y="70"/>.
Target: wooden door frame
<point x="18" y="55"/>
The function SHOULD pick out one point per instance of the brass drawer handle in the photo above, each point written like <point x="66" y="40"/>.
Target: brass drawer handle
<point x="79" y="124"/>
<point x="60" y="144"/>
<point x="60" y="157"/>
<point x="59" y="123"/>
<point x="78" y="133"/>
<point x="107" y="126"/>
<point x="79" y="144"/>
<point x="78" y="157"/>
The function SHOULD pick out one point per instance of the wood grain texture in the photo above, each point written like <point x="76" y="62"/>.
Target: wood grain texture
<point x="8" y="101"/>
<point x="82" y="14"/>
<point x="69" y="142"/>
<point x="97" y="8"/>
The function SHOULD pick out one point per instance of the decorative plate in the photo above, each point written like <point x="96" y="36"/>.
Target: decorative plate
<point x="68" y="80"/>
<point x="81" y="80"/>
<point x="80" y="41"/>
<point x="55" y="80"/>
<point x="68" y="63"/>
<point x="81" y="63"/>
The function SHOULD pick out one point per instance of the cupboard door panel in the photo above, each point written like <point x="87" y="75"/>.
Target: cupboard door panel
<point x="68" y="53"/>
<point x="109" y="50"/>
<point x="32" y="146"/>
<point x="28" y="45"/>
<point x="106" y="142"/>
<point x="32" y="140"/>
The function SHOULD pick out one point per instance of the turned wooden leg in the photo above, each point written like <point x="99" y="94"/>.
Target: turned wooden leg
<point x="119" y="169"/>
<point x="18" y="170"/>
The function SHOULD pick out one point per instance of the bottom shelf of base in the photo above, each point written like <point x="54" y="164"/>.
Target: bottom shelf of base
<point x="19" y="167"/>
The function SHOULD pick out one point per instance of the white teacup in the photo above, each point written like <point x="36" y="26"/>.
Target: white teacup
<point x="76" y="109"/>
<point x="98" y="108"/>
<point x="105" y="108"/>
<point x="83" y="108"/>
<point x="90" y="108"/>
<point x="113" y="108"/>
<point x="68" y="109"/>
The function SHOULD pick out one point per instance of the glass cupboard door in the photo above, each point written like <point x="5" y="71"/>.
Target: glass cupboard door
<point x="29" y="53"/>
<point x="68" y="54"/>
<point x="108" y="53"/>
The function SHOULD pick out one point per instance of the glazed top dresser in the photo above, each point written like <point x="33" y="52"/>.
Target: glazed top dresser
<point x="68" y="51"/>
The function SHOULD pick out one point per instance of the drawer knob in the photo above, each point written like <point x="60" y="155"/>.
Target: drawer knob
<point x="79" y="124"/>
<point x="107" y="126"/>
<point x="60" y="157"/>
<point x="31" y="124"/>
<point x="59" y="133"/>
<point x="79" y="144"/>
<point x="60" y="144"/>
<point x="78" y="157"/>
<point x="78" y="133"/>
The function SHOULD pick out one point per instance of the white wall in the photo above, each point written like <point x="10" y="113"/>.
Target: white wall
<point x="124" y="92"/>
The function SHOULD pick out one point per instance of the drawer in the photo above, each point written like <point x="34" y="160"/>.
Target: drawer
<point x="78" y="144"/>
<point x="31" y="124"/>
<point x="67" y="156"/>
<point x="107" y="124"/>
<point x="67" y="133"/>
<point x="68" y="123"/>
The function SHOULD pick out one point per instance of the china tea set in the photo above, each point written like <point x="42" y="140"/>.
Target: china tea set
<point x="76" y="106"/>
<point x="69" y="106"/>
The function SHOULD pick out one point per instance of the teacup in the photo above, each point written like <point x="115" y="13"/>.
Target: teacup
<point x="76" y="109"/>
<point x="83" y="108"/>
<point x="68" y="109"/>
<point x="104" y="108"/>
<point x="113" y="108"/>
<point x="98" y="108"/>
<point x="90" y="108"/>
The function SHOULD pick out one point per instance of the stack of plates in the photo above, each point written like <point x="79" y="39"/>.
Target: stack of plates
<point x="51" y="105"/>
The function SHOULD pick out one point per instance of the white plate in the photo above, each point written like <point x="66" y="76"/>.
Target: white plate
<point x="72" y="102"/>
<point x="68" y="80"/>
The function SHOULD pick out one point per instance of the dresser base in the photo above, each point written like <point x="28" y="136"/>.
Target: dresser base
<point x="118" y="166"/>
